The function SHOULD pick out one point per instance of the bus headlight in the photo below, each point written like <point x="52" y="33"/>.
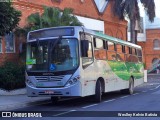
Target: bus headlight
<point x="73" y="81"/>
<point x="29" y="83"/>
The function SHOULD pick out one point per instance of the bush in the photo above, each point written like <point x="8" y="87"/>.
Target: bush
<point x="12" y="76"/>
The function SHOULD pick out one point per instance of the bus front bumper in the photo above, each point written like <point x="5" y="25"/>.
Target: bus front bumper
<point x="73" y="90"/>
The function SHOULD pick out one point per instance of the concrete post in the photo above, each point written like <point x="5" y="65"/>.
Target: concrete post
<point x="145" y="75"/>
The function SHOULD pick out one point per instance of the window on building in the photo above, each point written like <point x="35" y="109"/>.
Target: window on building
<point x="0" y="44"/>
<point x="156" y="44"/>
<point x="10" y="43"/>
<point x="101" y="5"/>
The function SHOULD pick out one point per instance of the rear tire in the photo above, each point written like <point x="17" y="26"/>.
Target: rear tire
<point x="98" y="92"/>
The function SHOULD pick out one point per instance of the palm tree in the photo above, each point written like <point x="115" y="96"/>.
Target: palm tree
<point x="53" y="17"/>
<point x="130" y="9"/>
<point x="9" y="17"/>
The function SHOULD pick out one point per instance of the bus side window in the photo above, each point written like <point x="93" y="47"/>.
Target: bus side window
<point x="128" y="54"/>
<point x="139" y="54"/>
<point x="100" y="52"/>
<point x="111" y="53"/>
<point x="86" y="49"/>
<point x="123" y="49"/>
<point x="120" y="54"/>
<point x="134" y="57"/>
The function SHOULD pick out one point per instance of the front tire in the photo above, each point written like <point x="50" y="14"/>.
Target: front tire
<point x="98" y="92"/>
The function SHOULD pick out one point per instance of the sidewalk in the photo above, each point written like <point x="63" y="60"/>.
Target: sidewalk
<point x="17" y="101"/>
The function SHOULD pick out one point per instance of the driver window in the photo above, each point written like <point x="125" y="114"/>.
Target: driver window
<point x="86" y="49"/>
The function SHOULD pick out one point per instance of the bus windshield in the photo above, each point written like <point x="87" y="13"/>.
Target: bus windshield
<point x="51" y="56"/>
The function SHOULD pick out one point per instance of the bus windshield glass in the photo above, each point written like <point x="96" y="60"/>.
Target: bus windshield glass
<point x="52" y="56"/>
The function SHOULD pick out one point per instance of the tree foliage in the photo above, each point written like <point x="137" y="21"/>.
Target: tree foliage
<point x="130" y="9"/>
<point x="52" y="17"/>
<point x="9" y="17"/>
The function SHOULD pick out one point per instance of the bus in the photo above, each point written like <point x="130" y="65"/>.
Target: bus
<point x="73" y="61"/>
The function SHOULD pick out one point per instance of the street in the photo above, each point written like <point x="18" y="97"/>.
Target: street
<point x="145" y="98"/>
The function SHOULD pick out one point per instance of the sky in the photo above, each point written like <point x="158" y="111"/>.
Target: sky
<point x="157" y="3"/>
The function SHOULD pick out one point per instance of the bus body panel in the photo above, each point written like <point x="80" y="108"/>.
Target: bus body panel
<point x="116" y="75"/>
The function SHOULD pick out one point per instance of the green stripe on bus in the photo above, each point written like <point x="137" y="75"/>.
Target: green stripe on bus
<point x="125" y="70"/>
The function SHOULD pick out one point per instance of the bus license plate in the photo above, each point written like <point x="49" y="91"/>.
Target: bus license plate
<point x="48" y="92"/>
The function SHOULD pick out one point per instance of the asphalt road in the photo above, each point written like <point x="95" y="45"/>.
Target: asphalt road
<point x="114" y="105"/>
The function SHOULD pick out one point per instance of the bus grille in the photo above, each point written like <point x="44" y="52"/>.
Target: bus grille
<point x="49" y="78"/>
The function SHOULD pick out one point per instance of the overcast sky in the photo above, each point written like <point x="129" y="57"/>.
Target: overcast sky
<point x="157" y="3"/>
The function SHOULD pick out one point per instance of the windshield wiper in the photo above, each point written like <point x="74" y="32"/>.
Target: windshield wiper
<point x="38" y="44"/>
<point x="52" y="45"/>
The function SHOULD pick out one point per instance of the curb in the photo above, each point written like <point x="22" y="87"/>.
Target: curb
<point x="153" y="74"/>
<point x="21" y="91"/>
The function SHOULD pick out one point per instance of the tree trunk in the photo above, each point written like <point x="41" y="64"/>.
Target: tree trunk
<point x="133" y="31"/>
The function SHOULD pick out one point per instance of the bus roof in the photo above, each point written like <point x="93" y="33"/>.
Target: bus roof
<point x="112" y="39"/>
<point x="97" y="34"/>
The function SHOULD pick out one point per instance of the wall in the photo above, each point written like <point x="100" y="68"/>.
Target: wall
<point x="147" y="46"/>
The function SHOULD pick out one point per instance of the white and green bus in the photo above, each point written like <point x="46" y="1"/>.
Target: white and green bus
<point x="73" y="61"/>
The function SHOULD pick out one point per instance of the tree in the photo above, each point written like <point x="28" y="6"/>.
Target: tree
<point x="52" y="17"/>
<point x="130" y="9"/>
<point x="9" y="17"/>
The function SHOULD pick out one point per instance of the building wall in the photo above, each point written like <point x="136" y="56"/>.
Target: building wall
<point x="88" y="9"/>
<point x="148" y="47"/>
<point x="151" y="32"/>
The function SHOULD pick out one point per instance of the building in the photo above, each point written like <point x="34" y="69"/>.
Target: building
<point x="94" y="14"/>
<point x="150" y="38"/>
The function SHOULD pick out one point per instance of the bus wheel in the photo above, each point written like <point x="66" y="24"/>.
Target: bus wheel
<point x="98" y="92"/>
<point x="130" y="90"/>
<point x="54" y="100"/>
